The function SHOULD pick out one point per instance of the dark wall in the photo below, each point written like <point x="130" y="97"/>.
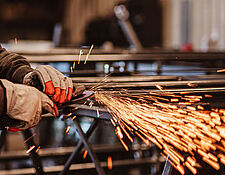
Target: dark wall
<point x="29" y="19"/>
<point x="145" y="17"/>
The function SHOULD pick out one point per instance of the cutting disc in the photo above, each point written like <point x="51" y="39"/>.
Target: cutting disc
<point x="82" y="97"/>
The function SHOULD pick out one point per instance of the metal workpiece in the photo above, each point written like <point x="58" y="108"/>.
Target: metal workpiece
<point x="92" y="82"/>
<point x="85" y="110"/>
<point x="164" y="84"/>
<point x="78" y="90"/>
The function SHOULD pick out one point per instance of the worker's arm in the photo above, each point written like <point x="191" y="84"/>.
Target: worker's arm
<point x="13" y="66"/>
<point x="6" y="121"/>
<point x="17" y="69"/>
<point x="21" y="105"/>
<point x="2" y="100"/>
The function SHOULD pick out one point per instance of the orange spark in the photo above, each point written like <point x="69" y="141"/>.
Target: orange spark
<point x="211" y="163"/>
<point x="69" y="114"/>
<point x="109" y="162"/>
<point x="85" y="154"/>
<point x="113" y="122"/>
<point x="191" y="161"/>
<point x="81" y="52"/>
<point x="91" y="104"/>
<point x="159" y="87"/>
<point x="97" y="113"/>
<point x="208" y="96"/>
<point x="174" y="100"/>
<point x="30" y="149"/>
<point x="192" y="85"/>
<point x="74" y="108"/>
<point x="29" y="138"/>
<point x="185" y="127"/>
<point x="191" y="168"/>
<point x="119" y="132"/>
<point x="73" y="67"/>
<point x="221" y="70"/>
<point x="37" y="149"/>
<point x="200" y="107"/>
<point x="180" y="168"/>
<point x="68" y="129"/>
<point x="222" y="160"/>
<point x="16" y="40"/>
<point x="124" y="145"/>
<point x="74" y="117"/>
<point x="88" y="54"/>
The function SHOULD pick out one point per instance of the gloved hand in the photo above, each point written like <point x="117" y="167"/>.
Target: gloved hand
<point x="25" y="103"/>
<point x="54" y="83"/>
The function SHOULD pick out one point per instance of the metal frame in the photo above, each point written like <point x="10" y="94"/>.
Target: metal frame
<point x="2" y="138"/>
<point x="33" y="154"/>
<point x="167" y="167"/>
<point x="37" y="164"/>
<point x="79" y="146"/>
<point x="27" y="134"/>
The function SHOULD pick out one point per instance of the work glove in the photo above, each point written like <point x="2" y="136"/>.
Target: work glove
<point x="25" y="103"/>
<point x="53" y="83"/>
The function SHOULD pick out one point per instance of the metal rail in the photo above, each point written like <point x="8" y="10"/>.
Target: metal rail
<point x="190" y="90"/>
<point x="123" y="79"/>
<point x="153" y="56"/>
<point x="166" y="84"/>
<point x="82" y="166"/>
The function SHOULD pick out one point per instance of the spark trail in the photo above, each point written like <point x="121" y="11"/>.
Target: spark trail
<point x="180" y="125"/>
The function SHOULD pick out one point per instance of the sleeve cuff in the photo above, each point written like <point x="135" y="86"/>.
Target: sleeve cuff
<point x="19" y="74"/>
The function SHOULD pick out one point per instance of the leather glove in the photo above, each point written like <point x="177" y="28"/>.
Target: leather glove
<point x="25" y="103"/>
<point x="53" y="82"/>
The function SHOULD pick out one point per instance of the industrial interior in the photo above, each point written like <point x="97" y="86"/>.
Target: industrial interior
<point x="148" y="86"/>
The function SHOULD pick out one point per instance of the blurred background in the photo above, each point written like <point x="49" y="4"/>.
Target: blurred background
<point x="165" y="24"/>
<point x="138" y="41"/>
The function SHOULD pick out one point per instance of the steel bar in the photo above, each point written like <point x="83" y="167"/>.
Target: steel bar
<point x="63" y="151"/>
<point x="165" y="84"/>
<point x="167" y="167"/>
<point x="123" y="79"/>
<point x="158" y="71"/>
<point x="78" y="148"/>
<point x="153" y="56"/>
<point x="82" y="166"/>
<point x="89" y="148"/>
<point x="33" y="155"/>
<point x="147" y="91"/>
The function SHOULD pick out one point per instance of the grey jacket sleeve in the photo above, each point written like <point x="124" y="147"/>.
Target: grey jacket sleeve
<point x="13" y="66"/>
